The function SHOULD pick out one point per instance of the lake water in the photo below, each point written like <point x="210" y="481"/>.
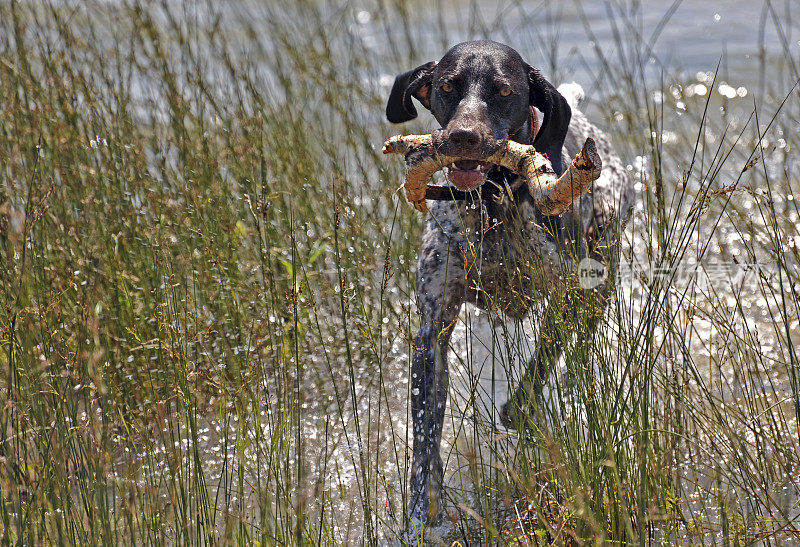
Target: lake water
<point x="680" y="46"/>
<point x="756" y="48"/>
<point x="688" y="36"/>
<point x="683" y="45"/>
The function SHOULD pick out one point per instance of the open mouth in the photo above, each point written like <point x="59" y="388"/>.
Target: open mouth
<point x="467" y="175"/>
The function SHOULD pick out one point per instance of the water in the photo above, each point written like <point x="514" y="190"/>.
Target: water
<point x="686" y="48"/>
<point x="739" y="37"/>
<point x="756" y="64"/>
<point x="692" y="37"/>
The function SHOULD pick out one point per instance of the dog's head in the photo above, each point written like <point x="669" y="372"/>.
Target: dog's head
<point x="482" y="93"/>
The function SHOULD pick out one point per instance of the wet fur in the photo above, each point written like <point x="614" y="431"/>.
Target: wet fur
<point x="501" y="255"/>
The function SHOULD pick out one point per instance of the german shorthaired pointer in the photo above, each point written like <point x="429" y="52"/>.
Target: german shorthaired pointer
<point x="494" y="248"/>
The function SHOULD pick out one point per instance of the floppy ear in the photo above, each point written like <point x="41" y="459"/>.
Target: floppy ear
<point x="557" y="113"/>
<point x="416" y="83"/>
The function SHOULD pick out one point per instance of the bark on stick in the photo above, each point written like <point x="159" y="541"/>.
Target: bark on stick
<point x="551" y="194"/>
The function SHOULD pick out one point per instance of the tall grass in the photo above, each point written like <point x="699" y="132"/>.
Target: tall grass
<point x="207" y="289"/>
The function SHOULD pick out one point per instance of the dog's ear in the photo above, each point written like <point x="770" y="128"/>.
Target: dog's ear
<point x="557" y="114"/>
<point x="414" y="83"/>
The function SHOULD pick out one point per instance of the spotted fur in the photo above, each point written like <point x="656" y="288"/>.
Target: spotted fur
<point x="501" y="253"/>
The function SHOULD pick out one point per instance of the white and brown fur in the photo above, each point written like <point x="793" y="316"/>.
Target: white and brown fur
<point x="502" y="254"/>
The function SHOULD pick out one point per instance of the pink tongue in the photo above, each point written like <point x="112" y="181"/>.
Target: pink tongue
<point x="466" y="180"/>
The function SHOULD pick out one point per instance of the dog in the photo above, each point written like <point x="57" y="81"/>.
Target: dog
<point x="503" y="255"/>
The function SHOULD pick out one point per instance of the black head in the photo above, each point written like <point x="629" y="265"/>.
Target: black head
<point x="481" y="93"/>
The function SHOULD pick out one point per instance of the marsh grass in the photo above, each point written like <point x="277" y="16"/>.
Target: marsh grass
<point x="207" y="303"/>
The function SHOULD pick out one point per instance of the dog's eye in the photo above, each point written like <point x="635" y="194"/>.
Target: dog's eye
<point x="447" y="87"/>
<point x="505" y="91"/>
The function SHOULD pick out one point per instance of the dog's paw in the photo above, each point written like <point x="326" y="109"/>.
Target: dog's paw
<point x="414" y="534"/>
<point x="419" y="534"/>
<point x="427" y="508"/>
<point x="511" y="416"/>
<point x="516" y="416"/>
<point x="504" y="419"/>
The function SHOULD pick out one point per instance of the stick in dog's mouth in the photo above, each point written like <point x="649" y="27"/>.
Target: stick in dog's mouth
<point x="551" y="194"/>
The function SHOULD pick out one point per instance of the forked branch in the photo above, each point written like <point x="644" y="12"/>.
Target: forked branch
<point x="551" y="194"/>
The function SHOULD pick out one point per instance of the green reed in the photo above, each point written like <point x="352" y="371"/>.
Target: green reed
<point x="207" y="308"/>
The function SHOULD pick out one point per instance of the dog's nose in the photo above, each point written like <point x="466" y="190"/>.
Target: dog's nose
<point x="465" y="137"/>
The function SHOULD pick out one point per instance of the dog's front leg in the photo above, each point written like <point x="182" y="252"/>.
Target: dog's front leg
<point x="429" y="382"/>
<point x="440" y="292"/>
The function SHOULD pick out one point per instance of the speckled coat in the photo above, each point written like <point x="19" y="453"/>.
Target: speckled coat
<point x="503" y="256"/>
